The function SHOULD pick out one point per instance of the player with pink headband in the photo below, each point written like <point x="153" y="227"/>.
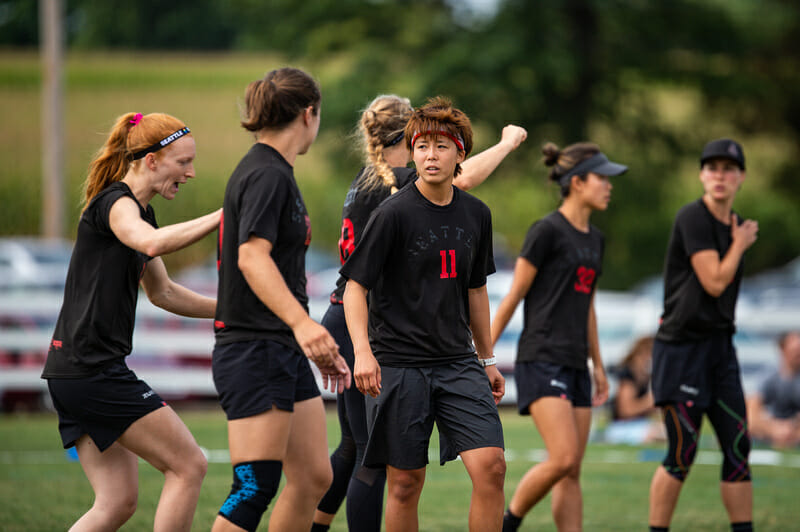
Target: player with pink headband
<point x="423" y="261"/>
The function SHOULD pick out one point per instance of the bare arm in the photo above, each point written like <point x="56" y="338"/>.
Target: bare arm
<point x="479" y="322"/>
<point x="716" y="274"/>
<point x="630" y="406"/>
<point x="165" y="293"/>
<point x="129" y="227"/>
<point x="367" y="371"/>
<point x="266" y="281"/>
<point x="477" y="168"/>
<point x="524" y="274"/>
<point x="599" y="371"/>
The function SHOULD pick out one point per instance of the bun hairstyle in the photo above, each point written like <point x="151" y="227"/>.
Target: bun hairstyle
<point x="382" y="125"/>
<point x="562" y="161"/>
<point x="275" y="101"/>
<point x="439" y="116"/>
<point x="131" y="134"/>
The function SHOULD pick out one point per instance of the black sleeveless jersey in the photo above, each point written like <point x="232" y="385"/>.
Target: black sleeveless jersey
<point x="95" y="325"/>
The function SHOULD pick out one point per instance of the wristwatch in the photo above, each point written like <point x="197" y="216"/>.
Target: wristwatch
<point x="491" y="361"/>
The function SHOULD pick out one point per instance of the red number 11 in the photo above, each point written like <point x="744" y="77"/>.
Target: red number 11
<point x="444" y="274"/>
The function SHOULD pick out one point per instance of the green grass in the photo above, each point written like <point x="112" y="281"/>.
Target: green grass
<point x="40" y="490"/>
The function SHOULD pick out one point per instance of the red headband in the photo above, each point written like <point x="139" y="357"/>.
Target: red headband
<point x="458" y="140"/>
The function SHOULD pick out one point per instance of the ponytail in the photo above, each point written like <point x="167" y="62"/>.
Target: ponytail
<point x="130" y="134"/>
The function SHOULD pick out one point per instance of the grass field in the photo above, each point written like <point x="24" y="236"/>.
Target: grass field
<point x="42" y="490"/>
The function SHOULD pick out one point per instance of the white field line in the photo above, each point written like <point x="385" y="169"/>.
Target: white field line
<point x="761" y="457"/>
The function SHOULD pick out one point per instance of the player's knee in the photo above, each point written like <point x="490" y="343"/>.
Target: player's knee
<point x="735" y="463"/>
<point x="566" y="464"/>
<point x="405" y="486"/>
<point x="494" y="472"/>
<point x="254" y="486"/>
<point x="319" y="479"/>
<point x="117" y="511"/>
<point x="676" y="470"/>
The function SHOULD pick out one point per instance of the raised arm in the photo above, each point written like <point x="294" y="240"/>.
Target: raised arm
<point x="715" y="273"/>
<point x="129" y="227"/>
<point x="477" y="168"/>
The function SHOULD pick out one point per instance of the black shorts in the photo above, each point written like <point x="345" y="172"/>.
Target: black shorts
<point x="695" y="372"/>
<point x="102" y="406"/>
<point x="457" y="396"/>
<point x="535" y="380"/>
<point x="251" y="377"/>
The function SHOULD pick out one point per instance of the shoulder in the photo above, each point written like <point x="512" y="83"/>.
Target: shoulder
<point x="404" y="175"/>
<point x="471" y="202"/>
<point x="595" y="232"/>
<point x="691" y="211"/>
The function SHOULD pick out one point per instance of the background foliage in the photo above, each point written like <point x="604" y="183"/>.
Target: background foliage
<point x="650" y="81"/>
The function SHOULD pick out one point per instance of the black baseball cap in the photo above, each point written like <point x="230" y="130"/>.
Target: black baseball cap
<point x="599" y="164"/>
<point x="723" y="149"/>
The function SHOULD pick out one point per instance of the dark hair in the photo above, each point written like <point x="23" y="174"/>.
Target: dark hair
<point x="130" y="134"/>
<point x="644" y="343"/>
<point x="784" y="337"/>
<point x="275" y="101"/>
<point x="382" y="122"/>
<point x="438" y="114"/>
<point x="562" y="161"/>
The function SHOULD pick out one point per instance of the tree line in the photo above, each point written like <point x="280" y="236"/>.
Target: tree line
<point x="650" y="81"/>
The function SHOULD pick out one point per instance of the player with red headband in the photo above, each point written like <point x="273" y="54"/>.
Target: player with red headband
<point x="423" y="261"/>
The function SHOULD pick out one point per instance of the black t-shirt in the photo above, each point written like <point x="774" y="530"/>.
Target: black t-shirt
<point x="556" y="310"/>
<point x="418" y="260"/>
<point x="95" y="325"/>
<point x="690" y="313"/>
<point x="262" y="200"/>
<point x="781" y="395"/>
<point x="358" y="205"/>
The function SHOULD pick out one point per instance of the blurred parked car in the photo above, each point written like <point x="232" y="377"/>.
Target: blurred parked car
<point x="30" y="263"/>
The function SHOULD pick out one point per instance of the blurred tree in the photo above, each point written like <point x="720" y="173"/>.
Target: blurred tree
<point x="151" y="24"/>
<point x="649" y="80"/>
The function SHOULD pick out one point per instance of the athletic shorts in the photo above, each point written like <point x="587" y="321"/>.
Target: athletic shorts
<point x="695" y="372"/>
<point x="252" y="377"/>
<point x="457" y="396"/>
<point x="535" y="380"/>
<point x="102" y="406"/>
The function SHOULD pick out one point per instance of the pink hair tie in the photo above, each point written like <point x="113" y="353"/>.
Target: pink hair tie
<point x="136" y="119"/>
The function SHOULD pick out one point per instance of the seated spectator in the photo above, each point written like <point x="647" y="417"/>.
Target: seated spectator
<point x="632" y="407"/>
<point x="774" y="413"/>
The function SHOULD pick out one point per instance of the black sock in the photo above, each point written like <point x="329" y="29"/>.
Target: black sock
<point x="659" y="528"/>
<point x="316" y="527"/>
<point x="744" y="526"/>
<point x="510" y="521"/>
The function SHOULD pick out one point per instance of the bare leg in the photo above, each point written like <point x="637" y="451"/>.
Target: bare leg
<point x="163" y="440"/>
<point x="114" y="476"/>
<point x="567" y="500"/>
<point x="554" y="420"/>
<point x="664" y="492"/>
<point x="402" y="498"/>
<point x="738" y="500"/>
<point x="307" y="468"/>
<point x="487" y="470"/>
<point x="261" y="437"/>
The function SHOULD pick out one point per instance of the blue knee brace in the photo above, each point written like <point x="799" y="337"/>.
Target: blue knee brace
<point x="254" y="486"/>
